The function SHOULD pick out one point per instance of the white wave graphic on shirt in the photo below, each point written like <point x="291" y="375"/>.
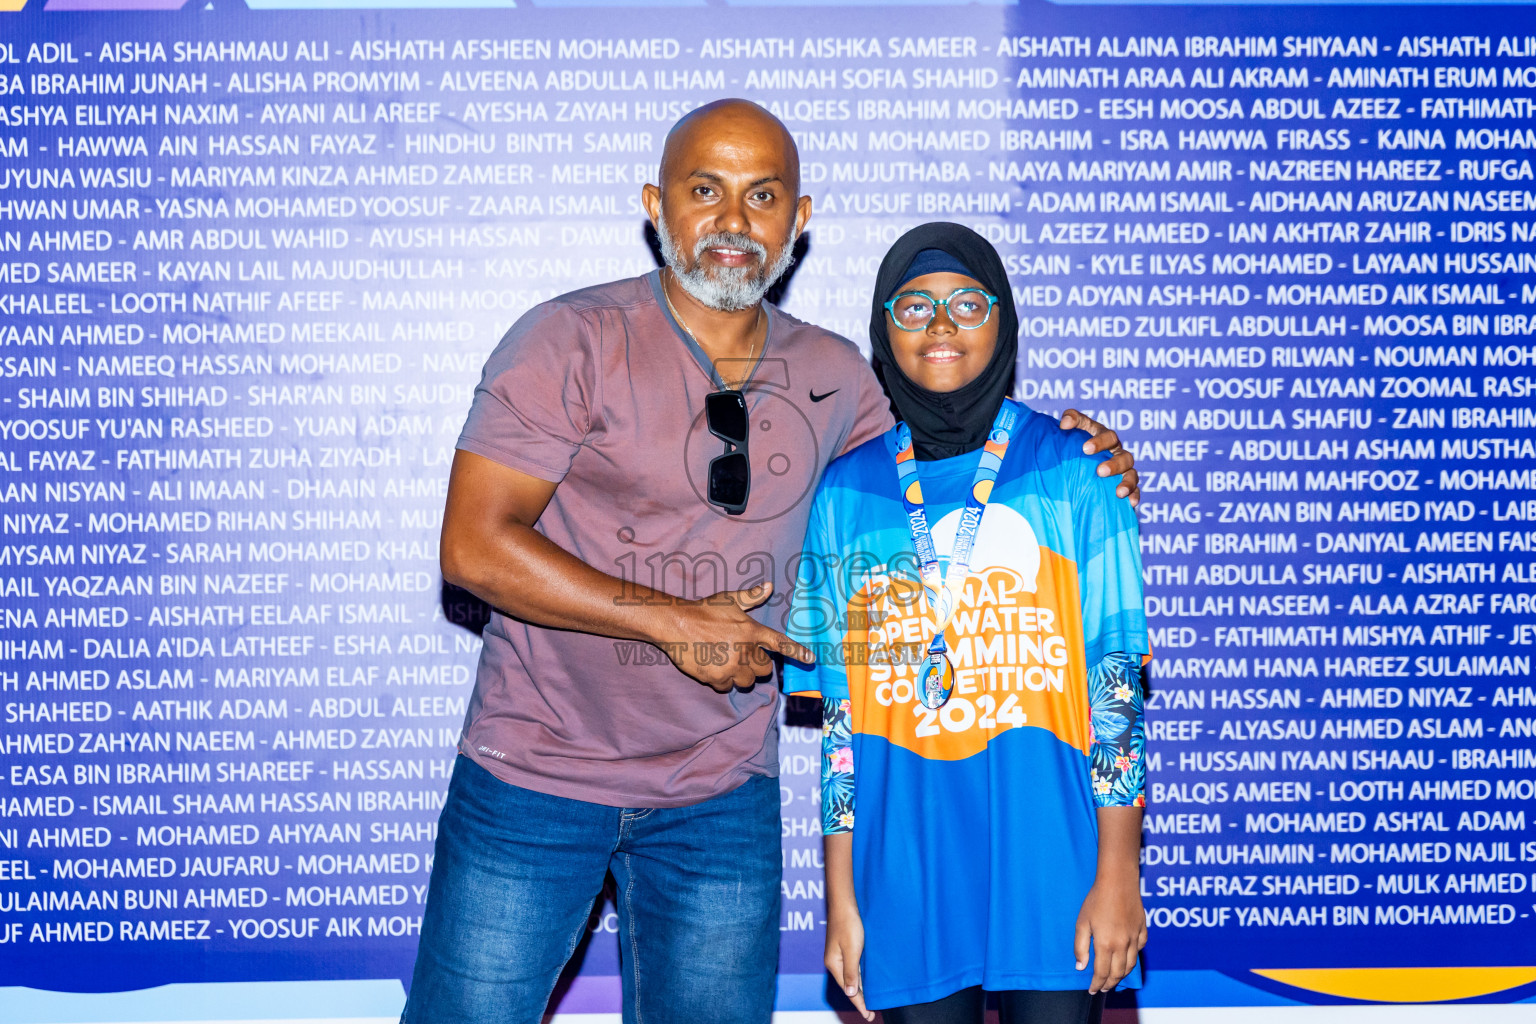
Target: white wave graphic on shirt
<point x="1005" y="540"/>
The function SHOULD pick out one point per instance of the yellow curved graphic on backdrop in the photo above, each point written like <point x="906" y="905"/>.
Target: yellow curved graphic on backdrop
<point x="12" y="5"/>
<point x="1405" y="984"/>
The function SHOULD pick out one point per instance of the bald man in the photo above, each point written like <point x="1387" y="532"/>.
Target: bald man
<point x="630" y="492"/>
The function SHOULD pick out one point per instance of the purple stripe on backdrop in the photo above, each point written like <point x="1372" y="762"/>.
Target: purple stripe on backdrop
<point x="114" y="5"/>
<point x="592" y="993"/>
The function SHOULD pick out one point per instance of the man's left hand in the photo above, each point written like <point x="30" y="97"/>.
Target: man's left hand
<point x="1105" y="440"/>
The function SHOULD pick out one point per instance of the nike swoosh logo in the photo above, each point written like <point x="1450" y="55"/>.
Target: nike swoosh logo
<point x="816" y="398"/>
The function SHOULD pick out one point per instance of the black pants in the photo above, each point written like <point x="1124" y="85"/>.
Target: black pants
<point x="968" y="1005"/>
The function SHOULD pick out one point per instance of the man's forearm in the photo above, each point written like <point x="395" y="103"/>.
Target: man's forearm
<point x="520" y="571"/>
<point x="491" y="549"/>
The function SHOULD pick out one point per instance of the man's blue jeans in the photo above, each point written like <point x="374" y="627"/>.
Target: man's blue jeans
<point x="516" y="873"/>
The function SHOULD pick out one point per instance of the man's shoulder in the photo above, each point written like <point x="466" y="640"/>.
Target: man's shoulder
<point x="623" y="294"/>
<point x="575" y="314"/>
<point x="829" y="343"/>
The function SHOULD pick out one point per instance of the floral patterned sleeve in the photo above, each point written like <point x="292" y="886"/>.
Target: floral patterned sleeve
<point x="836" y="766"/>
<point x="1117" y="756"/>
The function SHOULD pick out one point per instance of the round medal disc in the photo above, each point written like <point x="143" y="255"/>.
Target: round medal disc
<point x="936" y="681"/>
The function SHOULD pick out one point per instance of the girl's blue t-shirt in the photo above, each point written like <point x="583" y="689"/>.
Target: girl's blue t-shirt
<point x="976" y="835"/>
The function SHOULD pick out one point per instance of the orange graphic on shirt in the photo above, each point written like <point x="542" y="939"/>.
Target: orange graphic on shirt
<point x="1018" y="658"/>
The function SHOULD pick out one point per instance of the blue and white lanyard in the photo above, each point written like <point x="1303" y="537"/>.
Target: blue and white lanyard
<point x="937" y="678"/>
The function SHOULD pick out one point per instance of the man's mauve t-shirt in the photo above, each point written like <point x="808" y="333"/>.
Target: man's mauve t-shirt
<point x="601" y="392"/>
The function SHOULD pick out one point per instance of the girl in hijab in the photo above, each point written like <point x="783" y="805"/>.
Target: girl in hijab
<point x="973" y="589"/>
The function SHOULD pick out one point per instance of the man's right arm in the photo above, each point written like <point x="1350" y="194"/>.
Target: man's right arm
<point x="490" y="548"/>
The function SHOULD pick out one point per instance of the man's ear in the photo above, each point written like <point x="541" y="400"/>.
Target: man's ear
<point x="802" y="213"/>
<point x="650" y="198"/>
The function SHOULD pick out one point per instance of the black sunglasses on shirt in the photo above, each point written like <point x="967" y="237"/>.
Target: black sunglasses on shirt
<point x="730" y="473"/>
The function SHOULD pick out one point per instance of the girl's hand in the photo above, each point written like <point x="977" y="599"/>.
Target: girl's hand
<point x="845" y="947"/>
<point x="1113" y="917"/>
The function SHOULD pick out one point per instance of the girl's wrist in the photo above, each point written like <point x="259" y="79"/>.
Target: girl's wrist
<point x="841" y="906"/>
<point x="1118" y="876"/>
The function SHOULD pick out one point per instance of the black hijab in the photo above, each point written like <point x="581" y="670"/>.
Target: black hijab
<point x="953" y="423"/>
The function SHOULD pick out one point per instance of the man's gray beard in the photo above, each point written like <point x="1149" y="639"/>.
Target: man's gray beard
<point x="732" y="288"/>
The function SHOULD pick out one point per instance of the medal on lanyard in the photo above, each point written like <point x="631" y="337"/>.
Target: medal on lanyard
<point x="936" y="677"/>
